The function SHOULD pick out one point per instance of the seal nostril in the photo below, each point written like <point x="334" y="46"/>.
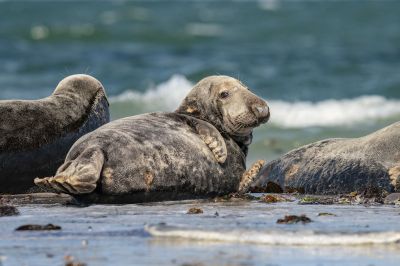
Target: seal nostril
<point x="260" y="109"/>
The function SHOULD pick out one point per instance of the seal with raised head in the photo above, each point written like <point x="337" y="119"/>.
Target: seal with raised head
<point x="35" y="135"/>
<point x="337" y="166"/>
<point x="198" y="150"/>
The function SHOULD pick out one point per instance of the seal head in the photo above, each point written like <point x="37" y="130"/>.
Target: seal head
<point x="228" y="105"/>
<point x="35" y="135"/>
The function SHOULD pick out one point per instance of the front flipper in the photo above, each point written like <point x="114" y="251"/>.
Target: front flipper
<point x="211" y="137"/>
<point x="78" y="176"/>
<point x="249" y="176"/>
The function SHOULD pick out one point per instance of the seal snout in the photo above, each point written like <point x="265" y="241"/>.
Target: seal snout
<point x="261" y="110"/>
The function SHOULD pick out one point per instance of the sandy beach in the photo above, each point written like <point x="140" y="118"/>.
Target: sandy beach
<point x="235" y="232"/>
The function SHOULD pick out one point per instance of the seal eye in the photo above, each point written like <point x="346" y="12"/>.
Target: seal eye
<point x="224" y="94"/>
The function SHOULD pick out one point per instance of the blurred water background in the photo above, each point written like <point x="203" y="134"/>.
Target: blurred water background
<point x="327" y="68"/>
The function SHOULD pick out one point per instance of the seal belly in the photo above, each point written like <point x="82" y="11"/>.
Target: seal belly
<point x="155" y="152"/>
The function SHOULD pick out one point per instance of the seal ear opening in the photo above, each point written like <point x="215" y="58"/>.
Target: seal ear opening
<point x="192" y="104"/>
<point x="191" y="110"/>
<point x="188" y="107"/>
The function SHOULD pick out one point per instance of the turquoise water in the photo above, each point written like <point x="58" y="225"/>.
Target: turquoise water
<point x="328" y="69"/>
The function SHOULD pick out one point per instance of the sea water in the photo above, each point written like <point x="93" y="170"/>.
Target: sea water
<point x="327" y="69"/>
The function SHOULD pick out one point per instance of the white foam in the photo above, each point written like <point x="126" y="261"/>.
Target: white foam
<point x="333" y="112"/>
<point x="270" y="5"/>
<point x="168" y="95"/>
<point x="328" y="113"/>
<point x="277" y="237"/>
<point x="204" y="29"/>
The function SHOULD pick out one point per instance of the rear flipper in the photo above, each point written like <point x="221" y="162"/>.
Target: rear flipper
<point x="78" y="176"/>
<point x="249" y="176"/>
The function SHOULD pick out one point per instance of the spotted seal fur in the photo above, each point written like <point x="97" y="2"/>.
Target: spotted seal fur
<point x="35" y="135"/>
<point x="337" y="166"/>
<point x="200" y="149"/>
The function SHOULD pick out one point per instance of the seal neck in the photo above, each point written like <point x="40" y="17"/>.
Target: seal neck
<point x="243" y="142"/>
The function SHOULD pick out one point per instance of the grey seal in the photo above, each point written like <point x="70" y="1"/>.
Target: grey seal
<point x="337" y="166"/>
<point x="200" y="149"/>
<point x="35" y="135"/>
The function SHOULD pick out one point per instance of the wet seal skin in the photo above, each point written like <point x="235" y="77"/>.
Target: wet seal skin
<point x="338" y="166"/>
<point x="198" y="150"/>
<point x="35" y="135"/>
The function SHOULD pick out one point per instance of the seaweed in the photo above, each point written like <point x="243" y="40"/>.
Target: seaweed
<point x="292" y="219"/>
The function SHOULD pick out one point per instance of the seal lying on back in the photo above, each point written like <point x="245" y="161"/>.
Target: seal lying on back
<point x="35" y="136"/>
<point x="337" y="166"/>
<point x="200" y="149"/>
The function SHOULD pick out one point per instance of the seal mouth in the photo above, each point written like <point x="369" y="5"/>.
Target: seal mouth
<point x="264" y="119"/>
<point x="240" y="128"/>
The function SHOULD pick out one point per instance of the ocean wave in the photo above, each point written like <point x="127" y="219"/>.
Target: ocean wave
<point x="164" y="97"/>
<point x="277" y="237"/>
<point x="327" y="113"/>
<point x="331" y="113"/>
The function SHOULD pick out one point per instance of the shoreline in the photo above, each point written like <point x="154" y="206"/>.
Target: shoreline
<point x="249" y="230"/>
<point x="268" y="198"/>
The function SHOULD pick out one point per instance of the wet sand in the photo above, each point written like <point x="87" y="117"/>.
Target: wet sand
<point x="121" y="235"/>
